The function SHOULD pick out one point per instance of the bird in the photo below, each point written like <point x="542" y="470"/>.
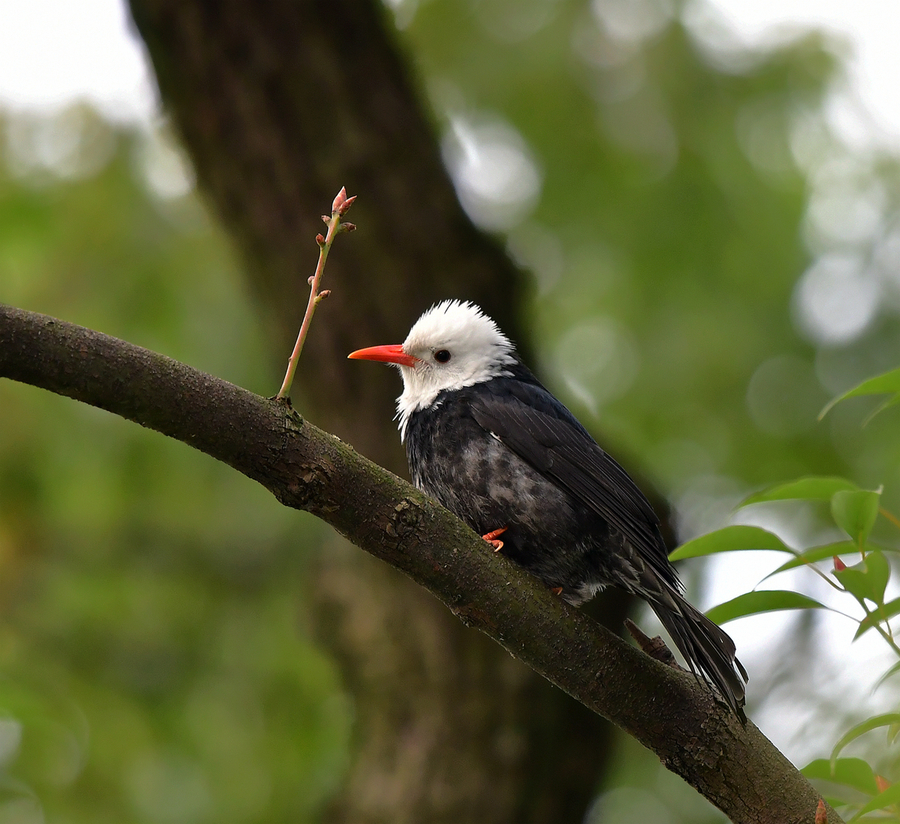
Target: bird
<point x="490" y="443"/>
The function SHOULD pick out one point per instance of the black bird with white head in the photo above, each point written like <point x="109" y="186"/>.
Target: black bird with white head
<point x="489" y="442"/>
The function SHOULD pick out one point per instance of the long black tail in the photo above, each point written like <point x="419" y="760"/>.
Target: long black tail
<point x="706" y="647"/>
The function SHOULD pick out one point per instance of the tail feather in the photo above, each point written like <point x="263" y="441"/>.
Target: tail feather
<point x="705" y="646"/>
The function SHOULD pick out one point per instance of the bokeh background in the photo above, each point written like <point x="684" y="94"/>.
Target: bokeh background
<point x="710" y="228"/>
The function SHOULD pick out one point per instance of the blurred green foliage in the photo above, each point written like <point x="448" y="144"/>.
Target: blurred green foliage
<point x="154" y="666"/>
<point x="703" y="249"/>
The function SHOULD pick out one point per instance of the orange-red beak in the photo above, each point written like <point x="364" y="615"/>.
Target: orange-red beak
<point x="391" y="353"/>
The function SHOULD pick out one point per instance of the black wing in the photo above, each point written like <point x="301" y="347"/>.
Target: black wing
<point x="539" y="429"/>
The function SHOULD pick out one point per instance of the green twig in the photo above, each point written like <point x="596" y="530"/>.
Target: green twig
<point x="338" y="209"/>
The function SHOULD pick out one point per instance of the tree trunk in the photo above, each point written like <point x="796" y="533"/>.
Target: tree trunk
<point x="279" y="104"/>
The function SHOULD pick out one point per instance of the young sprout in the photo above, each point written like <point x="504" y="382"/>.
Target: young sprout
<point x="335" y="226"/>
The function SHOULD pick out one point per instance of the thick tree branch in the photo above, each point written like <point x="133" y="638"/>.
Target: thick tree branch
<point x="664" y="708"/>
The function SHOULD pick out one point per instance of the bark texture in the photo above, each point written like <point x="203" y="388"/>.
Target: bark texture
<point x="279" y="104"/>
<point x="666" y="709"/>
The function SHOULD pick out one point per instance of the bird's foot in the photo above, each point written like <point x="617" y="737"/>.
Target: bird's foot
<point x="491" y="538"/>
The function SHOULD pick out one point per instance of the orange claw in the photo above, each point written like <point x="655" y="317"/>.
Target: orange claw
<point x="556" y="590"/>
<point x="491" y="538"/>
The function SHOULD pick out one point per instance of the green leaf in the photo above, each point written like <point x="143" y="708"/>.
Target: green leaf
<point x="817" y="553"/>
<point x="884" y="613"/>
<point x="855" y="512"/>
<point x="890" y="796"/>
<point x="863" y="727"/>
<point x="892" y="671"/>
<point x="812" y="488"/>
<point x="892" y="401"/>
<point x="821" y="553"/>
<point x="753" y="603"/>
<point x="879" y="385"/>
<point x="893" y="731"/>
<point x="852" y="772"/>
<point x="867" y="579"/>
<point x="730" y="539"/>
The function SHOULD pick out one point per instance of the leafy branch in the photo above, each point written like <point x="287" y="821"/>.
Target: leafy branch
<point x="855" y="511"/>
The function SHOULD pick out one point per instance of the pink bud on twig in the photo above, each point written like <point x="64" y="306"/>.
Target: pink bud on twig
<point x="320" y="239"/>
<point x="342" y="203"/>
<point x="821" y="813"/>
<point x="348" y="227"/>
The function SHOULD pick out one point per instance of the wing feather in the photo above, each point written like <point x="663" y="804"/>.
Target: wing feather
<point x="527" y="419"/>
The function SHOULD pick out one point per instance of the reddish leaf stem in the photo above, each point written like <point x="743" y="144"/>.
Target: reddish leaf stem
<point x="338" y="209"/>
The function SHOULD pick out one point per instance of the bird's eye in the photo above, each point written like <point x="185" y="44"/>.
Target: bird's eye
<point x="442" y="356"/>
